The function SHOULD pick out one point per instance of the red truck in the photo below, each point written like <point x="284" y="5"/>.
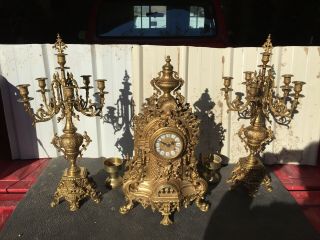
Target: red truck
<point x="174" y="22"/>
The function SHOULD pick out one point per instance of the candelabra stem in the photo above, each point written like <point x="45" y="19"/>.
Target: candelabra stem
<point x="250" y="171"/>
<point x="75" y="184"/>
<point x="73" y="169"/>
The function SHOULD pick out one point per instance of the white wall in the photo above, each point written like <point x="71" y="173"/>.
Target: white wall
<point x="201" y="68"/>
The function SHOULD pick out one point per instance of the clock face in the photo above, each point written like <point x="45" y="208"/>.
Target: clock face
<point x="168" y="145"/>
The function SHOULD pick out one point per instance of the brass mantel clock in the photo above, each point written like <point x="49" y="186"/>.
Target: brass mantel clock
<point x="163" y="172"/>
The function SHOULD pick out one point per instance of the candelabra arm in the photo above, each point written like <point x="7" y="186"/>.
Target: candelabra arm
<point x="92" y="110"/>
<point x="27" y="107"/>
<point x="80" y="104"/>
<point x="47" y="110"/>
<point x="87" y="99"/>
<point x="294" y="105"/>
<point x="280" y="111"/>
<point x="49" y="107"/>
<point x="235" y="105"/>
<point x="86" y="107"/>
<point x="41" y="115"/>
<point x="53" y="107"/>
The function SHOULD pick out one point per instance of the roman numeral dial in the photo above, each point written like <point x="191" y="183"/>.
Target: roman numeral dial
<point x="168" y="145"/>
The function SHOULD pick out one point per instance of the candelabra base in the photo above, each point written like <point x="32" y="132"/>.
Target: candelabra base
<point x="75" y="188"/>
<point x="251" y="173"/>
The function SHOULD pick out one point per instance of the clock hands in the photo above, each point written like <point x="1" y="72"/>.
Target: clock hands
<point x="166" y="144"/>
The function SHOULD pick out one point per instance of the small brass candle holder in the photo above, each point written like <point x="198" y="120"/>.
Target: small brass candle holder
<point x="112" y="166"/>
<point x="212" y="166"/>
<point x="64" y="98"/>
<point x="261" y="102"/>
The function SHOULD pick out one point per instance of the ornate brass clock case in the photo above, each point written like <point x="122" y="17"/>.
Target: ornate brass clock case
<point x="163" y="172"/>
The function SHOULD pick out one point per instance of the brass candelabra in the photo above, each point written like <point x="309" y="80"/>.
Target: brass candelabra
<point x="63" y="97"/>
<point x="261" y="102"/>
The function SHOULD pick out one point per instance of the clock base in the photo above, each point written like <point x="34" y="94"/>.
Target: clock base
<point x="165" y="196"/>
<point x="250" y="173"/>
<point x="75" y="188"/>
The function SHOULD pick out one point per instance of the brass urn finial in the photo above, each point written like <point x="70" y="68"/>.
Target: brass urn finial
<point x="167" y="80"/>
<point x="59" y="45"/>
<point x="167" y="67"/>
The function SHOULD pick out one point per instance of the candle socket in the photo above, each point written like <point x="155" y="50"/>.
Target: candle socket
<point x="248" y="75"/>
<point x="86" y="80"/>
<point x="61" y="59"/>
<point x="298" y="86"/>
<point x="24" y="93"/>
<point x="101" y="84"/>
<point x="287" y="79"/>
<point x="227" y="81"/>
<point x="41" y="82"/>
<point x="265" y="58"/>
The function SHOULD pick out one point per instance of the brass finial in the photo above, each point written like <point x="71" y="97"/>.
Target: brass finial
<point x="59" y="45"/>
<point x="267" y="46"/>
<point x="168" y="67"/>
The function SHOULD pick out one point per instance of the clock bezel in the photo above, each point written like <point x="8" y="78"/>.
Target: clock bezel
<point x="167" y="130"/>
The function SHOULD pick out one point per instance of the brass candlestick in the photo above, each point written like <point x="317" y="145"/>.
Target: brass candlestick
<point x="74" y="185"/>
<point x="261" y="101"/>
<point x="113" y="166"/>
<point x="211" y="168"/>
